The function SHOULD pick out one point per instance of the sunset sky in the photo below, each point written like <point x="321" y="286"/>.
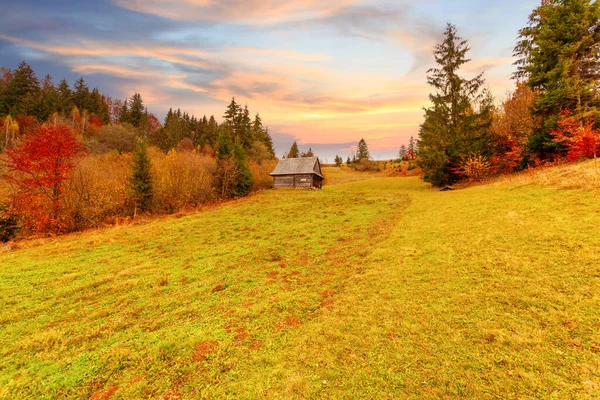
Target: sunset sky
<point x="324" y="73"/>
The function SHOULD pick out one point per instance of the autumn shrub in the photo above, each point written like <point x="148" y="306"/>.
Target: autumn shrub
<point x="97" y="190"/>
<point x="367" y="165"/>
<point x="181" y="179"/>
<point x="112" y="137"/>
<point x="581" y="139"/>
<point x="476" y="168"/>
<point x="260" y="174"/>
<point x="185" y="144"/>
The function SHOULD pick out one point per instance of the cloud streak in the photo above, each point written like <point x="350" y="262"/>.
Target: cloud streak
<point x="323" y="73"/>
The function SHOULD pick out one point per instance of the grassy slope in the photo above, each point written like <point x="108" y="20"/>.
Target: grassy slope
<point x="366" y="289"/>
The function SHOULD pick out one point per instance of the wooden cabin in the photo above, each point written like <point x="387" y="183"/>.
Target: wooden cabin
<point x="302" y="172"/>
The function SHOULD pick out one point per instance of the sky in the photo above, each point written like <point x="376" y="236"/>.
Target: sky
<point x="322" y="73"/>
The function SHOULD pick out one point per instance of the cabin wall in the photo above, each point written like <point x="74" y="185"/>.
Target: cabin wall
<point x="304" y="180"/>
<point x="299" y="181"/>
<point x="283" y="181"/>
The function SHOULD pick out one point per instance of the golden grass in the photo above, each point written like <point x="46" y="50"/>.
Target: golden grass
<point x="582" y="175"/>
<point x="381" y="288"/>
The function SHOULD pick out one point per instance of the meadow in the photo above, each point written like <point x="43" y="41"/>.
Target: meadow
<point x="376" y="288"/>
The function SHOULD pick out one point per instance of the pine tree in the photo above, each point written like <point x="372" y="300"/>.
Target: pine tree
<point x="81" y="95"/>
<point x="224" y="143"/>
<point x="65" y="98"/>
<point x="231" y="115"/>
<point x="294" y="152"/>
<point x="136" y="110"/>
<point x="309" y="153"/>
<point x="49" y="100"/>
<point x="456" y="126"/>
<point x="23" y="91"/>
<point x="141" y="180"/>
<point x="403" y="152"/>
<point x="245" y="132"/>
<point x="362" y="151"/>
<point x="338" y="161"/>
<point x="244" y="176"/>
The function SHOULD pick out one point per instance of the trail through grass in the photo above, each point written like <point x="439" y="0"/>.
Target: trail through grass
<point x="372" y="289"/>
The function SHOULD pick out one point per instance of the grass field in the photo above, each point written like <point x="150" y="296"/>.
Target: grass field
<point x="379" y="288"/>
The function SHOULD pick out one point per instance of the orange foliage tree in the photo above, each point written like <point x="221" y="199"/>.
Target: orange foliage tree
<point x="37" y="169"/>
<point x="580" y="138"/>
<point x="513" y="125"/>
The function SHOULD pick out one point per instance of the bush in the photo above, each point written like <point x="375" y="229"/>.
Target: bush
<point x="182" y="179"/>
<point x="97" y="190"/>
<point x="367" y="165"/>
<point x="476" y="168"/>
<point x="260" y="174"/>
<point x="112" y="137"/>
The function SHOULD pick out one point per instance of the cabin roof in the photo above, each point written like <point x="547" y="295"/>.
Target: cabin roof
<point x="294" y="166"/>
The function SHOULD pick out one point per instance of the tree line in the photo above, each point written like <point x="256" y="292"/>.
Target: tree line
<point x="71" y="157"/>
<point x="551" y="115"/>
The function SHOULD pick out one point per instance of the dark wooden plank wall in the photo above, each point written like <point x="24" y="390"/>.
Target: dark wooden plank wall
<point x="299" y="181"/>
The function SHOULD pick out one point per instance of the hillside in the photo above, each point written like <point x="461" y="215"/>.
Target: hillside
<point x="380" y="288"/>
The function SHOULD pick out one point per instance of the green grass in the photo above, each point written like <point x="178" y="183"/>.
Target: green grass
<point x="372" y="289"/>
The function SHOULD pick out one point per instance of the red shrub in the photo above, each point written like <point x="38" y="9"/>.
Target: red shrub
<point x="581" y="139"/>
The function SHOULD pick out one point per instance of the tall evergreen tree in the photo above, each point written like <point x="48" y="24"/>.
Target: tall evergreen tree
<point x="245" y="133"/>
<point x="294" y="152"/>
<point x="81" y="95"/>
<point x="403" y="152"/>
<point x="23" y="91"/>
<point x="224" y="144"/>
<point x="456" y="125"/>
<point x="65" y="98"/>
<point x="49" y="99"/>
<point x="231" y="114"/>
<point x="243" y="176"/>
<point x="362" y="151"/>
<point x="261" y="134"/>
<point x="141" y="179"/>
<point x="5" y="78"/>
<point x="136" y="110"/>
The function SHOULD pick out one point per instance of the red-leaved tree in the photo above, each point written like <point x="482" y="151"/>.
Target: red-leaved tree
<point x="37" y="168"/>
<point x="580" y="138"/>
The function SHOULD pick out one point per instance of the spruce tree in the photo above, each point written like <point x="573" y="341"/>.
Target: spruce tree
<point x="362" y="151"/>
<point x="141" y="179"/>
<point x="136" y="111"/>
<point x="244" y="176"/>
<point x="65" y="98"/>
<point x="403" y="152"/>
<point x="231" y="114"/>
<point x="456" y="125"/>
<point x="294" y="152"/>
<point x="23" y="91"/>
<point x="81" y="95"/>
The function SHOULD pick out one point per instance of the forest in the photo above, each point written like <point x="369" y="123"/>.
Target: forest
<point x="74" y="158"/>
<point x="551" y="115"/>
